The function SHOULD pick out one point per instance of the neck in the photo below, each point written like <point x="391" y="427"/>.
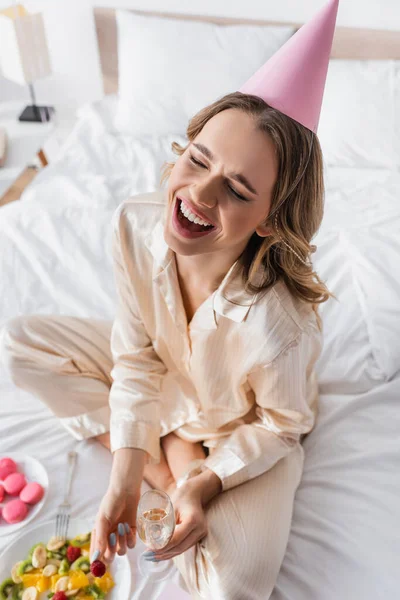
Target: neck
<point x="202" y="271"/>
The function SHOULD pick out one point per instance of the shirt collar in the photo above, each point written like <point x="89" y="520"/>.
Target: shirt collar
<point x="229" y="300"/>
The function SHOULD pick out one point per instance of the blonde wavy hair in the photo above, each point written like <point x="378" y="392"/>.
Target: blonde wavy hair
<point x="297" y="202"/>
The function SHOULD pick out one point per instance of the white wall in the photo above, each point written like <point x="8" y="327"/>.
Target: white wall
<point x="72" y="39"/>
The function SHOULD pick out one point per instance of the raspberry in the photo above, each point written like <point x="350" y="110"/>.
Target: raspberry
<point x="73" y="553"/>
<point x="59" y="596"/>
<point x="97" y="568"/>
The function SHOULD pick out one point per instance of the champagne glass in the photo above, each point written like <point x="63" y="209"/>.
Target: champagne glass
<point x="155" y="527"/>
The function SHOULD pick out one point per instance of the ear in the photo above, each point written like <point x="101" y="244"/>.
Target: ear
<point x="264" y="230"/>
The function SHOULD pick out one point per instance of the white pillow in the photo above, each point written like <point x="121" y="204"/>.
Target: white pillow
<point x="358" y="253"/>
<point x="360" y="115"/>
<point x="169" y="68"/>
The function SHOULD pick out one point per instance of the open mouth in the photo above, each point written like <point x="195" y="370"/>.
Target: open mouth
<point x="187" y="224"/>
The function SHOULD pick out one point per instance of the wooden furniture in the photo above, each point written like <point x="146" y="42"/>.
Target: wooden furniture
<point x="14" y="192"/>
<point x="30" y="146"/>
<point x="348" y="42"/>
<point x="22" y="162"/>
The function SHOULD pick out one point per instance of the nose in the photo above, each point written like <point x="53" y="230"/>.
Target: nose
<point x="204" y="193"/>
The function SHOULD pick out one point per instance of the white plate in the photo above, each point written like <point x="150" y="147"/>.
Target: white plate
<point x="120" y="568"/>
<point x="33" y="471"/>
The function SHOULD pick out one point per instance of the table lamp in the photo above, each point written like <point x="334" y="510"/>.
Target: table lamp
<point x="24" y="55"/>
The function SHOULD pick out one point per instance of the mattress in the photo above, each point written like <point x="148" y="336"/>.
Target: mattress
<point x="55" y="259"/>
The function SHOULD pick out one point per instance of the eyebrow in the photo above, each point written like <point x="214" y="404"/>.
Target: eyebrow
<point x="237" y="176"/>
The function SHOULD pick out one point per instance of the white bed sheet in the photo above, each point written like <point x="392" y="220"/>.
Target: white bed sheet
<point x="55" y="259"/>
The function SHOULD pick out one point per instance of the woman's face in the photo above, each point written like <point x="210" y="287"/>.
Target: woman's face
<point x="226" y="174"/>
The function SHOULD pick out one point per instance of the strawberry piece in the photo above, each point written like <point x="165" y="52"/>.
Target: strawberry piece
<point x="60" y="596"/>
<point x="98" y="568"/>
<point x="73" y="553"/>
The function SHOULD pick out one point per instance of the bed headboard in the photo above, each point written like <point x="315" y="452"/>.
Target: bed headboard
<point x="351" y="43"/>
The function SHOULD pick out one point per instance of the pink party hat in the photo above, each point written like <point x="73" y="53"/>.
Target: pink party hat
<point x="293" y="79"/>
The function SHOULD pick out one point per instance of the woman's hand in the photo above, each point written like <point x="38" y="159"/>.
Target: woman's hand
<point x="115" y="527"/>
<point x="191" y="525"/>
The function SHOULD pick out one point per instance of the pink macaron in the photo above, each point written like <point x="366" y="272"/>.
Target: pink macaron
<point x="32" y="493"/>
<point x="2" y="493"/>
<point x="15" y="511"/>
<point x="7" y="466"/>
<point x="14" y="483"/>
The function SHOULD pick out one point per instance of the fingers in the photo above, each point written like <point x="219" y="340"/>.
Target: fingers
<point x="126" y="537"/>
<point x="130" y="535"/>
<point x="100" y="544"/>
<point x="112" y="548"/>
<point x="185" y="536"/>
<point x="121" y="539"/>
<point x="92" y="543"/>
<point x="180" y="534"/>
<point x="117" y="542"/>
<point x="113" y="531"/>
<point x="189" y="541"/>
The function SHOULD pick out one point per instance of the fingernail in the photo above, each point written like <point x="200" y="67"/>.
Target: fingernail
<point x="112" y="539"/>
<point x="127" y="528"/>
<point x="95" y="555"/>
<point x="149" y="553"/>
<point x="121" y="529"/>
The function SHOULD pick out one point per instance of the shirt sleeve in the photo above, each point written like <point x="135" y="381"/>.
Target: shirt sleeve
<point x="138" y="371"/>
<point x="285" y="390"/>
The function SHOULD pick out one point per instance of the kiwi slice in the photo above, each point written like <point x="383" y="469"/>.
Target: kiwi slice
<point x="81" y="540"/>
<point x="6" y="588"/>
<point x="64" y="567"/>
<point x="25" y="567"/>
<point x="82" y="563"/>
<point x="17" y="592"/>
<point x="95" y="591"/>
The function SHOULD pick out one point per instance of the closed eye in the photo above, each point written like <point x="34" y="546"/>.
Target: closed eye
<point x="197" y="162"/>
<point x="203" y="166"/>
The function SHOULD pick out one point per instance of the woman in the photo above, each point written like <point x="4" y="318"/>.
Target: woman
<point x="212" y="349"/>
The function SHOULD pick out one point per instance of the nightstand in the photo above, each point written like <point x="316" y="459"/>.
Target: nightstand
<point x="24" y="142"/>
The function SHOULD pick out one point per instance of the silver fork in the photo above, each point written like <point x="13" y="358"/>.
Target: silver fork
<point x="63" y="512"/>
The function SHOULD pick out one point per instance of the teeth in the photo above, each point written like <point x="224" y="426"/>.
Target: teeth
<point x="191" y="217"/>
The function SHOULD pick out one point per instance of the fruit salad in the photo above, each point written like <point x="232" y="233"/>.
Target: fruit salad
<point x="59" y="570"/>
